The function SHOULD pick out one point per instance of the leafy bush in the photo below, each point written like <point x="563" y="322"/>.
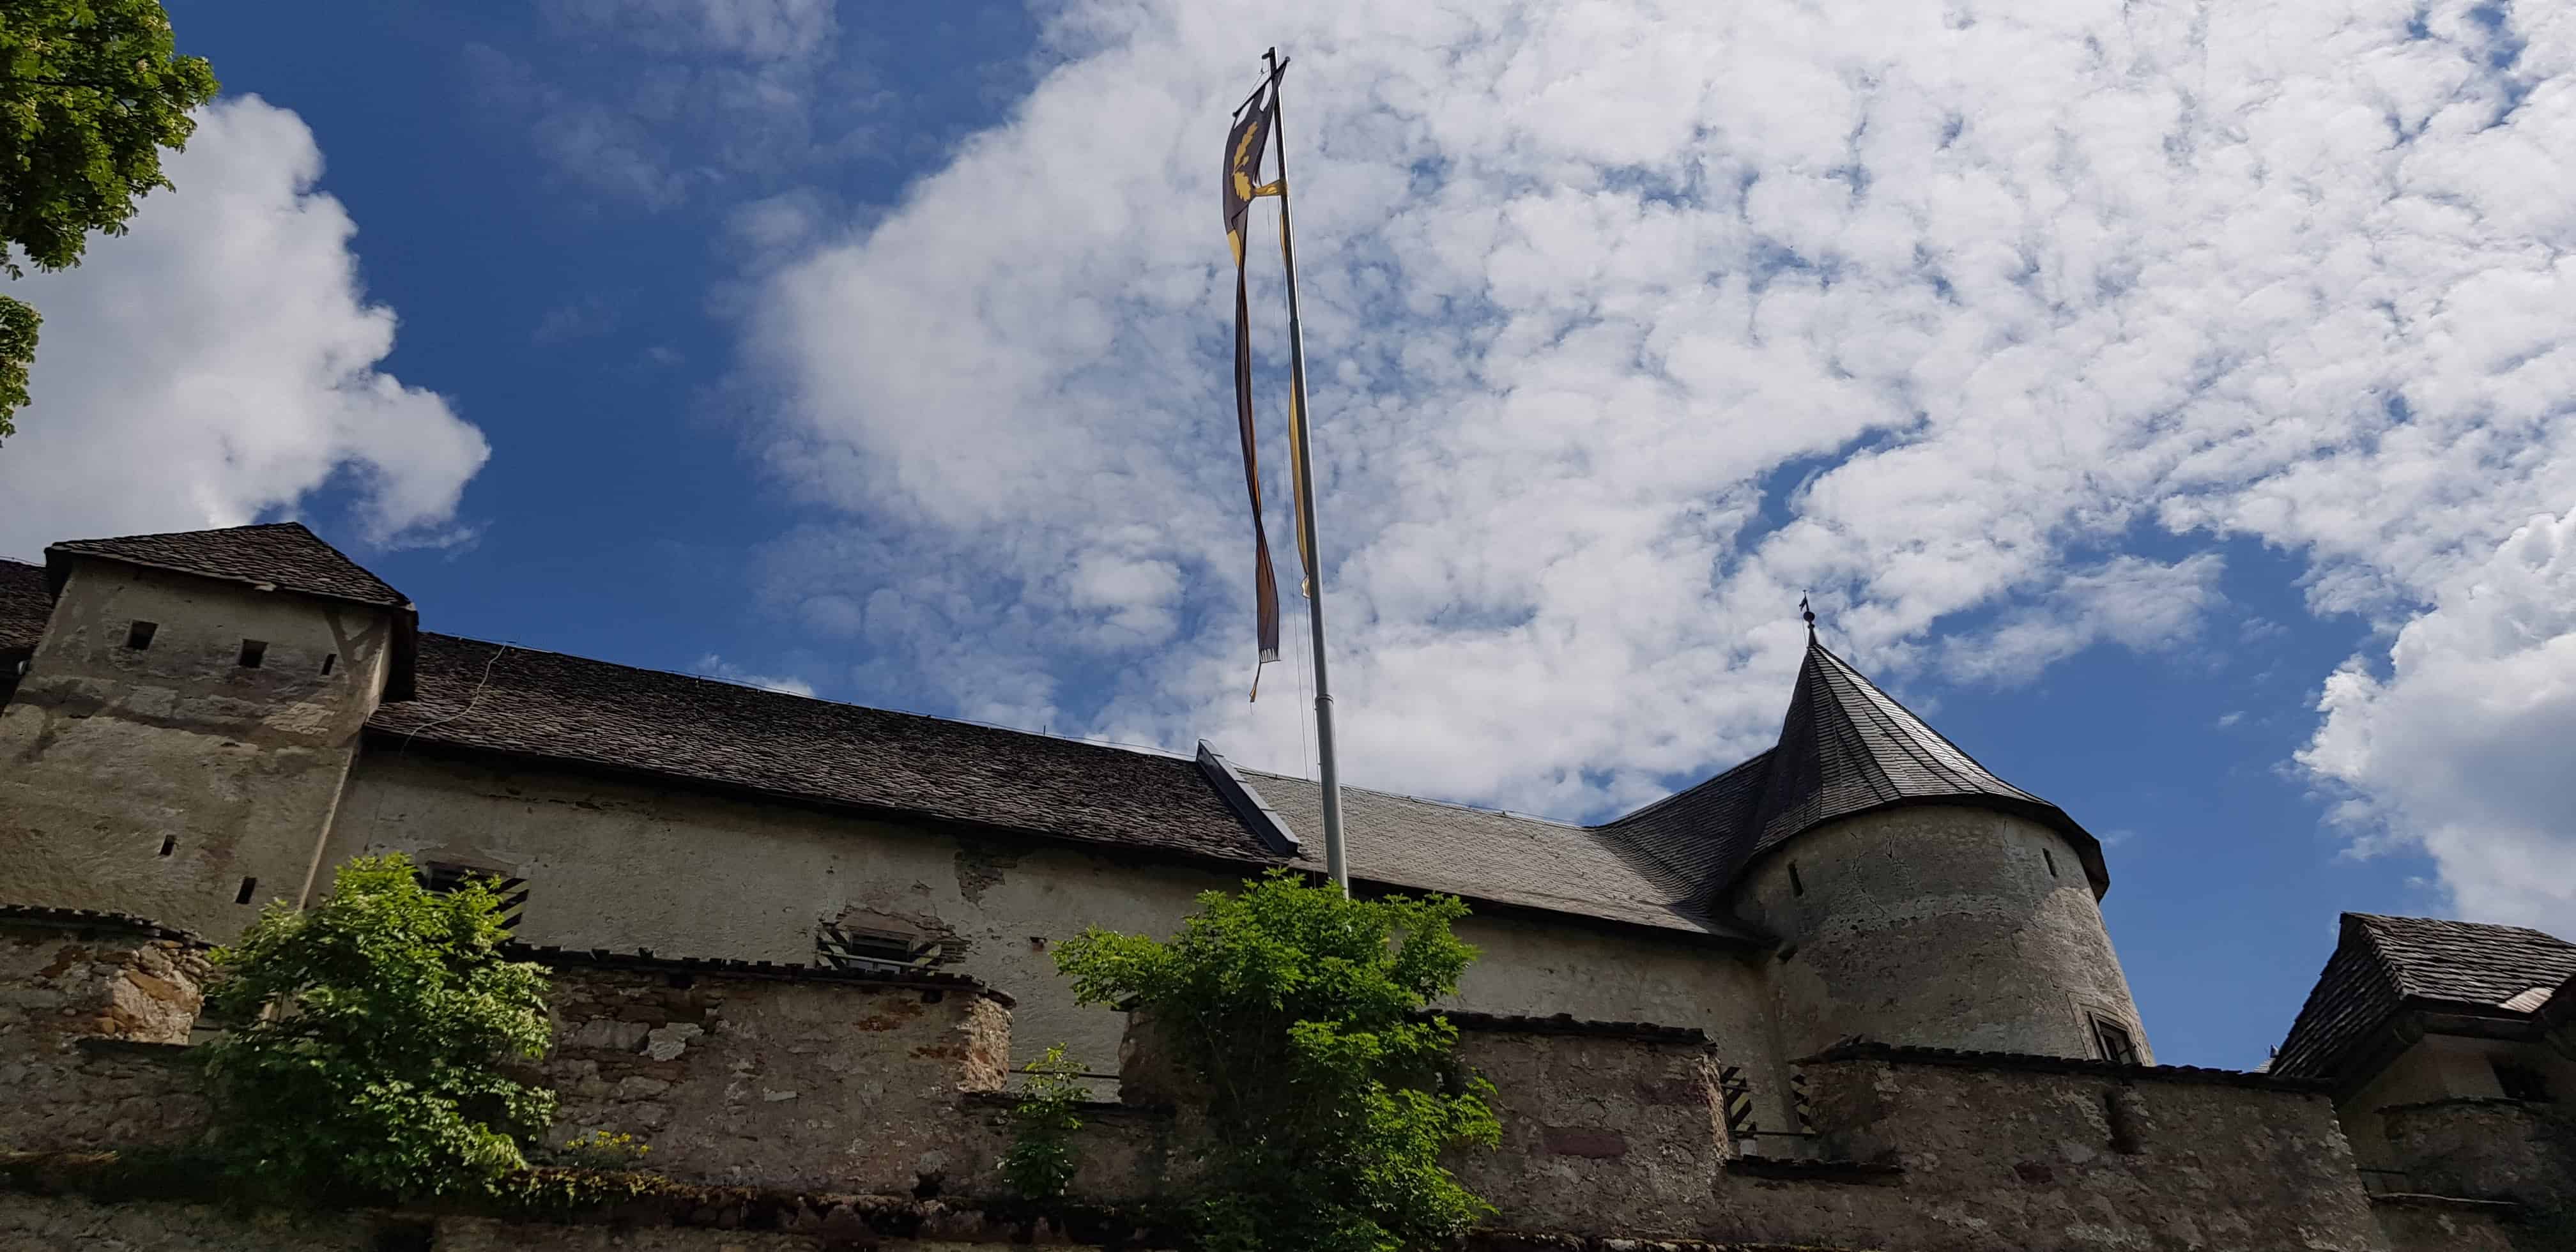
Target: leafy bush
<point x="367" y="1036"/>
<point x="1330" y="1095"/>
<point x="1041" y="1160"/>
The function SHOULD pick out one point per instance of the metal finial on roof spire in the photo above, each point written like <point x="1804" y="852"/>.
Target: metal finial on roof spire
<point x="1807" y="613"/>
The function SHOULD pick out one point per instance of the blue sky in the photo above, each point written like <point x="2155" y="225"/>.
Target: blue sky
<point x="2174" y="407"/>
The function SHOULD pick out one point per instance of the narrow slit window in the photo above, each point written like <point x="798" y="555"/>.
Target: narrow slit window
<point x="2051" y="858"/>
<point x="248" y="886"/>
<point x="1797" y="885"/>
<point x="169" y="844"/>
<point x="139" y="635"/>
<point x="329" y="659"/>
<point x="2113" y="1042"/>
<point x="253" y="652"/>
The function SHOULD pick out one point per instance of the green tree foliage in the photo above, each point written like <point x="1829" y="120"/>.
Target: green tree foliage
<point x="90" y="92"/>
<point x="366" y="1039"/>
<point x="1330" y="1094"/>
<point x="1041" y="1160"/>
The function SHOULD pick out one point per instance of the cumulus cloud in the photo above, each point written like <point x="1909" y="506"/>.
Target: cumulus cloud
<point x="2129" y="600"/>
<point x="218" y="363"/>
<point x="2460" y="747"/>
<point x="1630" y="322"/>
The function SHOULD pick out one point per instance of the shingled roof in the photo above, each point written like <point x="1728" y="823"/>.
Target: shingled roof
<point x="277" y="556"/>
<point x="24" y="606"/>
<point x="1506" y="858"/>
<point x="1845" y="748"/>
<point x="285" y="555"/>
<point x="2382" y="966"/>
<point x="503" y="698"/>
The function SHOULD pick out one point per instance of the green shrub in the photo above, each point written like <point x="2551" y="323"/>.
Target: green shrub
<point x="1330" y="1095"/>
<point x="1041" y="1160"/>
<point x="368" y="1031"/>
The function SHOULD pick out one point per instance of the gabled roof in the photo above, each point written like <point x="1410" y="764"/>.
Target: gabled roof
<point x="285" y="555"/>
<point x="277" y="556"/>
<point x="1845" y="748"/>
<point x="2382" y="965"/>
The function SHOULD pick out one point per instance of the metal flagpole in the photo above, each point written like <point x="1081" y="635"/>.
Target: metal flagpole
<point x="1334" y="860"/>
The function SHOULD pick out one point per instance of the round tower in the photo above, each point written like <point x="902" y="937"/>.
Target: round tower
<point x="1919" y="899"/>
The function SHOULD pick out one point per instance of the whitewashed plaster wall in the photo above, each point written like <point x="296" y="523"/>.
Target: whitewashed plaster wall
<point x="623" y="865"/>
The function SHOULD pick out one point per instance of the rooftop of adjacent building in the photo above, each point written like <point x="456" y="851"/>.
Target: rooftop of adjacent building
<point x="1846" y="747"/>
<point x="2383" y="966"/>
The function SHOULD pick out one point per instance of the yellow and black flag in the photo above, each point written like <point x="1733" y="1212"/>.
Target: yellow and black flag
<point x="1245" y="146"/>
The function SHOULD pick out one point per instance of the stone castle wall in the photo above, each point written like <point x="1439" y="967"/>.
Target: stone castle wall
<point x="825" y="1085"/>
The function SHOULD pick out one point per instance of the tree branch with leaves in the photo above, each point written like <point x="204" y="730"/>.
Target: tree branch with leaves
<point x="91" y="91"/>
<point x="367" y="1041"/>
<point x="1331" y="1093"/>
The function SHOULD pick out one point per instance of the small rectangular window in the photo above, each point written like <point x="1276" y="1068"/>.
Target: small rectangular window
<point x="1797" y="885"/>
<point x="329" y="659"/>
<point x="2113" y="1042"/>
<point x="2051" y="858"/>
<point x="248" y="886"/>
<point x="253" y="652"/>
<point x="139" y="635"/>
<point x="169" y="844"/>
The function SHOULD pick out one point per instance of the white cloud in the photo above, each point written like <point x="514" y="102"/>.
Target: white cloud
<point x="2461" y="750"/>
<point x="2002" y="289"/>
<point x="2129" y="600"/>
<point x="218" y="363"/>
<point x="716" y="667"/>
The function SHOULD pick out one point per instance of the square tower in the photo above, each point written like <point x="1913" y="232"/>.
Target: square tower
<point x="179" y="741"/>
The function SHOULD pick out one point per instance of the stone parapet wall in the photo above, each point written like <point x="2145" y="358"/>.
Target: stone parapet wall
<point x="2486" y="1149"/>
<point x="92" y="1010"/>
<point x="783" y="1077"/>
<point x="1595" y="1123"/>
<point x="1612" y="1134"/>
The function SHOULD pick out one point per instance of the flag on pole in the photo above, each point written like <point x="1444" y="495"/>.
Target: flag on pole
<point x="1245" y="146"/>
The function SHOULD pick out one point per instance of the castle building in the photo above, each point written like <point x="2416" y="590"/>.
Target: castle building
<point x="209" y="720"/>
<point x="198" y="723"/>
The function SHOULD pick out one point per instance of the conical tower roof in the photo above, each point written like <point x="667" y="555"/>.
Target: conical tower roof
<point x="1846" y="748"/>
